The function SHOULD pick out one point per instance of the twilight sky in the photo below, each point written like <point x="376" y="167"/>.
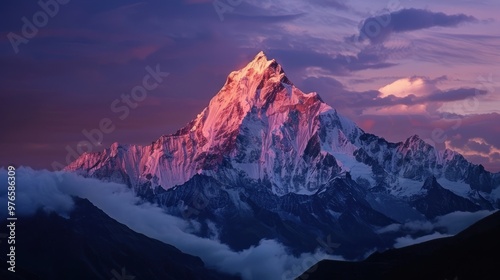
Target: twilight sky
<point x="397" y="68"/>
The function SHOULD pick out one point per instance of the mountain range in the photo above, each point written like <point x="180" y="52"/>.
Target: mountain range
<point x="265" y="160"/>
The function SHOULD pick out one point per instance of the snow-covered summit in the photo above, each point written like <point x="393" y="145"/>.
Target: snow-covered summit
<point x="260" y="127"/>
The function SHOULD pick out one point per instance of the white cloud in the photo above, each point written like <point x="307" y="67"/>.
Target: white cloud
<point x="43" y="189"/>
<point x="418" y="86"/>
<point x="418" y="226"/>
<point x="457" y="221"/>
<point x="442" y="226"/>
<point x="410" y="226"/>
<point x="389" y="228"/>
<point x="412" y="86"/>
<point x="408" y="240"/>
<point x="40" y="192"/>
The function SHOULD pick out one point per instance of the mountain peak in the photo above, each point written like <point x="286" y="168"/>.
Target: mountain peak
<point x="261" y="82"/>
<point x="260" y="55"/>
<point x="414" y="142"/>
<point x="414" y="138"/>
<point x="262" y="86"/>
<point x="261" y="67"/>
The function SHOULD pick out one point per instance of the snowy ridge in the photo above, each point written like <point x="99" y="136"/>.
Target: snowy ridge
<point x="260" y="127"/>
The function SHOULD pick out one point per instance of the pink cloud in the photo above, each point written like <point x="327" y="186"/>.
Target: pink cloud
<point x="418" y="109"/>
<point x="418" y="86"/>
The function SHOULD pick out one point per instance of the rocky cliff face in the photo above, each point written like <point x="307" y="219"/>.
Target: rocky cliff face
<point x="259" y="126"/>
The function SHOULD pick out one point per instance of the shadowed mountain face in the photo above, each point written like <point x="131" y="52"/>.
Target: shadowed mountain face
<point x="266" y="160"/>
<point x="91" y="245"/>
<point x="471" y="254"/>
<point x="449" y="201"/>
<point x="247" y="213"/>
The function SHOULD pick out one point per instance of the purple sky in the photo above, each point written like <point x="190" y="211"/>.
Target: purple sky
<point x="397" y="68"/>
